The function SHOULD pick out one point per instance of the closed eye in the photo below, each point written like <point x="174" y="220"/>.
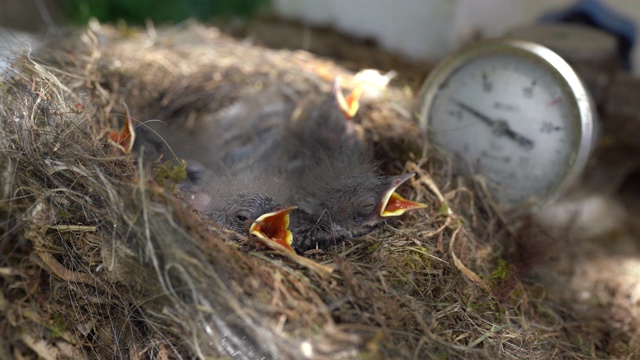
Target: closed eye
<point x="367" y="208"/>
<point x="241" y="217"/>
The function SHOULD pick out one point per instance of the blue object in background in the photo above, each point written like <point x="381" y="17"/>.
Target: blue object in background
<point x="594" y="13"/>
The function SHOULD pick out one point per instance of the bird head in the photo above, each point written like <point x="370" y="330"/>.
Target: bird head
<point x="364" y="201"/>
<point x="242" y="210"/>
<point x="254" y="214"/>
<point x="353" y="206"/>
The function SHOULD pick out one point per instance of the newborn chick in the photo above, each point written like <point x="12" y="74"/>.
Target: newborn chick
<point x="335" y="184"/>
<point x="222" y="137"/>
<point x="343" y="198"/>
<point x="320" y="125"/>
<point x="243" y="201"/>
<point x="327" y="122"/>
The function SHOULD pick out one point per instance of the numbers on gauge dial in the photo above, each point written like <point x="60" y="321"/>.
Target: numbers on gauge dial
<point x="509" y="120"/>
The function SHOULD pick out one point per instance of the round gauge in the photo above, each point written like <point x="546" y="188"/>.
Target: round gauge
<point x="513" y="112"/>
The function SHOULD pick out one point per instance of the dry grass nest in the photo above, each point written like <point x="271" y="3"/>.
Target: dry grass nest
<point x="99" y="257"/>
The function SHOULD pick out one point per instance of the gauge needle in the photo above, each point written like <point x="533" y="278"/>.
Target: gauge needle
<point x="500" y="127"/>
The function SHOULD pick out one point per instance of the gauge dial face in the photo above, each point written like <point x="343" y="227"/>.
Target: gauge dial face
<point x="512" y="119"/>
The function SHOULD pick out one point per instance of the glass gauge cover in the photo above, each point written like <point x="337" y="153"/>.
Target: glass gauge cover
<point x="513" y="112"/>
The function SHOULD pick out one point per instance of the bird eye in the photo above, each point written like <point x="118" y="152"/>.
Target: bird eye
<point x="241" y="216"/>
<point x="367" y="207"/>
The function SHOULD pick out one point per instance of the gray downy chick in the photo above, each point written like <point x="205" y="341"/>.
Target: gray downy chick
<point x="247" y="201"/>
<point x="236" y="134"/>
<point x="341" y="198"/>
<point x="330" y="177"/>
<point x="266" y="127"/>
<point x="320" y="125"/>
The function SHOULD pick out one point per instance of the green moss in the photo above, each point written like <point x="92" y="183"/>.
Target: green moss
<point x="442" y="355"/>
<point x="581" y="344"/>
<point x="64" y="214"/>
<point x="373" y="247"/>
<point x="169" y="174"/>
<point x="516" y="295"/>
<point x="444" y="210"/>
<point x="420" y="256"/>
<point x="501" y="273"/>
<point x="57" y="327"/>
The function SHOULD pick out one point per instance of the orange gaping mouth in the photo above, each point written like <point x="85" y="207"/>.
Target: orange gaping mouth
<point x="395" y="205"/>
<point x="348" y="105"/>
<point x="273" y="227"/>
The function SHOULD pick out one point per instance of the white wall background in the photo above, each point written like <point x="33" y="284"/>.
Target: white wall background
<point x="430" y="29"/>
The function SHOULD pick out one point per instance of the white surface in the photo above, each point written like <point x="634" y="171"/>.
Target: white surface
<point x="588" y="215"/>
<point x="430" y="29"/>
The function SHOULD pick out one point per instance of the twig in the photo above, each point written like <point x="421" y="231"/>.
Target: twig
<point x="62" y="272"/>
<point x="73" y="228"/>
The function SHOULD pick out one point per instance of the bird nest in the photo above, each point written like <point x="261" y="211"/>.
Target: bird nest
<point x="100" y="256"/>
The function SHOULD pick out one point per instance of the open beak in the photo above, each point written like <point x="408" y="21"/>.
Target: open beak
<point x="348" y="105"/>
<point x="125" y="138"/>
<point x="274" y="227"/>
<point x="395" y="205"/>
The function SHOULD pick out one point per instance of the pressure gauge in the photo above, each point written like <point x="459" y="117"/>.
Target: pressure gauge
<point x="515" y="113"/>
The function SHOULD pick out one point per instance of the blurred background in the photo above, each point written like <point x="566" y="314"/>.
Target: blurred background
<point x="410" y="36"/>
<point x="417" y="30"/>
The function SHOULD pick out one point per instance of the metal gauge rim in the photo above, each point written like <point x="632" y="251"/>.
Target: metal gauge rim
<point x="578" y="98"/>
